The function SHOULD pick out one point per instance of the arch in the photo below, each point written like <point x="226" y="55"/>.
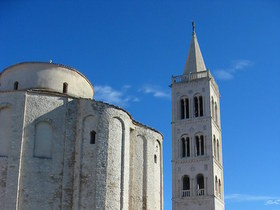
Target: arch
<point x="186" y="186"/>
<point x="5" y="130"/>
<point x="200" y="185"/>
<point x="185" y="146"/>
<point x="43" y="140"/>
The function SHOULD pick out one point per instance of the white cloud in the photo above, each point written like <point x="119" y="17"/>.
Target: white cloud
<point x="112" y="96"/>
<point x="236" y="66"/>
<point x="155" y="91"/>
<point x="268" y="200"/>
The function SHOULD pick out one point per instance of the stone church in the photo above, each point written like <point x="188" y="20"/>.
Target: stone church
<point x="61" y="149"/>
<point x="197" y="168"/>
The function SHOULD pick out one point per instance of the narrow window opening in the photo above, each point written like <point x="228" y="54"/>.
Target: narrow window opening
<point x="216" y="115"/>
<point x="214" y="145"/>
<point x="92" y="137"/>
<point x="65" y="87"/>
<point x="200" y="184"/>
<point x="212" y="103"/>
<point x="155" y="158"/>
<point x="202" y="144"/>
<point x="187" y="108"/>
<point x="200" y="106"/>
<point x="183" y="147"/>
<point x="16" y="85"/>
<point x="197" y="145"/>
<point x="182" y="109"/>
<point x="195" y="106"/>
<point x="188" y="146"/>
<point x="216" y="184"/>
<point x="218" y="150"/>
<point x="186" y="186"/>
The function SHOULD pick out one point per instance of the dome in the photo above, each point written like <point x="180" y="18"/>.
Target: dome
<point x="46" y="76"/>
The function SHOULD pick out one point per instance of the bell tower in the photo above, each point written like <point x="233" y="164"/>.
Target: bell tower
<point x="197" y="167"/>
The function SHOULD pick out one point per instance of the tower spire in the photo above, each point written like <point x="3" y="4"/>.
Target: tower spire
<point x="194" y="61"/>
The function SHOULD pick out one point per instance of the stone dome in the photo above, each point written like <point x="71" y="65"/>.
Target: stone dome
<point x="46" y="76"/>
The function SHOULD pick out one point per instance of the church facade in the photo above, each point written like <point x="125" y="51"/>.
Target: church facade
<point x="60" y="149"/>
<point x="197" y="168"/>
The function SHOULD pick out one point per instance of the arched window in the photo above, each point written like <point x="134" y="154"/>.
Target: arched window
<point x="219" y="189"/>
<point x="216" y="113"/>
<point x="214" y="145"/>
<point x="200" y="184"/>
<point x="65" y="87"/>
<point x="198" y="106"/>
<point x="15" y="85"/>
<point x="199" y="142"/>
<point x="212" y="106"/>
<point x="43" y="140"/>
<point x="186" y="187"/>
<point x="92" y="137"/>
<point x="185" y="108"/>
<point x="185" y="145"/>
<point x="218" y="150"/>
<point x="216" y="184"/>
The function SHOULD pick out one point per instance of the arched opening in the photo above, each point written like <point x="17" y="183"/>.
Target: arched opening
<point x="199" y="142"/>
<point x="65" y="87"/>
<point x="216" y="115"/>
<point x="195" y="106"/>
<point x="187" y="108"/>
<point x="92" y="137"/>
<point x="214" y="145"/>
<point x="183" y="143"/>
<point x="216" y="184"/>
<point x="182" y="109"/>
<point x="155" y="158"/>
<point x="218" y="150"/>
<point x="200" y="106"/>
<point x="43" y="140"/>
<point x="200" y="184"/>
<point x="186" y="187"/>
<point x="16" y="85"/>
<point x="212" y="106"/>
<point x="219" y="189"/>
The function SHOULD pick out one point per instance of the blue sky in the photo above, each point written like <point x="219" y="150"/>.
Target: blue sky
<point x="130" y="49"/>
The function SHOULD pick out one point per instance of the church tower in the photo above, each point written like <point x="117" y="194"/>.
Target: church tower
<point x="197" y="168"/>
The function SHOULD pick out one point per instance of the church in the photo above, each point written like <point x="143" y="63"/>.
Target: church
<point x="61" y="149"/>
<point x="197" y="168"/>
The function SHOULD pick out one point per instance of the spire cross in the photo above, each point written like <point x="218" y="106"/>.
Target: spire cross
<point x="193" y="26"/>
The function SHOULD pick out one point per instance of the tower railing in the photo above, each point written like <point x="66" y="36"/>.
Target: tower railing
<point x="194" y="76"/>
<point x="186" y="193"/>
<point x="200" y="192"/>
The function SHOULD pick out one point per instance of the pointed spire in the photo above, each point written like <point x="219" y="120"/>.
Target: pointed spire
<point x="194" y="61"/>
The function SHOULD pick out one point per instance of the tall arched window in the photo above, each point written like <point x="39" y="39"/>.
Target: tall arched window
<point x="212" y="106"/>
<point x="185" y="146"/>
<point x="43" y="140"/>
<point x="199" y="142"/>
<point x="200" y="184"/>
<point x="216" y="185"/>
<point x="219" y="189"/>
<point x="186" y="186"/>
<point x="214" y="145"/>
<point x="218" y="150"/>
<point x="198" y="106"/>
<point x="216" y="113"/>
<point x="185" y="108"/>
